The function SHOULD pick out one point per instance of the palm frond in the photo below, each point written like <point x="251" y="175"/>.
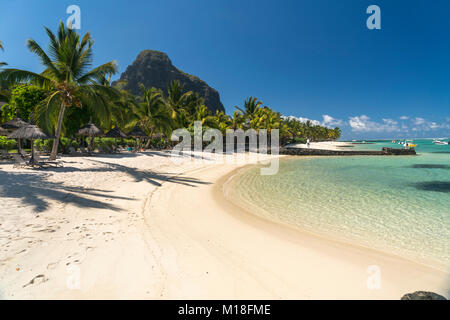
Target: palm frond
<point x="98" y="74"/>
<point x="16" y="76"/>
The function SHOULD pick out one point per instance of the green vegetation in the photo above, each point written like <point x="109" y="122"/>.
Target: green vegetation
<point x="7" y="144"/>
<point x="68" y="93"/>
<point x="22" y="100"/>
<point x="67" y="79"/>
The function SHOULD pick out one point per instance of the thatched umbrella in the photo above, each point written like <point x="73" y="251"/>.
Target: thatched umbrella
<point x="90" y="130"/>
<point x="116" y="133"/>
<point x="138" y="134"/>
<point x="15" y="124"/>
<point x="30" y="132"/>
<point x="3" y="132"/>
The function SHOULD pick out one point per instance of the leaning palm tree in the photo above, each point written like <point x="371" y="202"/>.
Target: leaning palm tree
<point x="68" y="79"/>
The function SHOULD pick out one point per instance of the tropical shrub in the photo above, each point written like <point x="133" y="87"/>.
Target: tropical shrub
<point x="7" y="144"/>
<point x="23" y="100"/>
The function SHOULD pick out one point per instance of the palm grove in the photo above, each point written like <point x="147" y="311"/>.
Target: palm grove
<point x="70" y="92"/>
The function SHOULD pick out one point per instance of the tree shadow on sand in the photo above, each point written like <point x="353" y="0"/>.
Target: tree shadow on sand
<point x="33" y="189"/>
<point x="152" y="177"/>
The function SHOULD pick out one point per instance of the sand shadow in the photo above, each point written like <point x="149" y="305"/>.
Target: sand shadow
<point x="138" y="175"/>
<point x="33" y="189"/>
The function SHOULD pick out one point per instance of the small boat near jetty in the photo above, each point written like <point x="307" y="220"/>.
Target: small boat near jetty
<point x="440" y="142"/>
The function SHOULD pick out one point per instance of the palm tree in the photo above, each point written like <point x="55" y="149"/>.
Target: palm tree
<point x="202" y="114"/>
<point x="67" y="78"/>
<point x="3" y="49"/>
<point x="178" y="103"/>
<point x="238" y="120"/>
<point x="251" y="107"/>
<point x="153" y="113"/>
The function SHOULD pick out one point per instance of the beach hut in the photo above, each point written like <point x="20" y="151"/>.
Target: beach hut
<point x="14" y="124"/>
<point x="139" y="135"/>
<point x="29" y="132"/>
<point x="90" y="130"/>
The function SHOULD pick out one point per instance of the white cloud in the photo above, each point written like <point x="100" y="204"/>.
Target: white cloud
<point x="364" y="124"/>
<point x="329" y="121"/>
<point x="419" y="121"/>
<point x="304" y="120"/>
<point x="404" y="118"/>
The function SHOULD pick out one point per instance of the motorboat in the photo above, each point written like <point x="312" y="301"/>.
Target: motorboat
<point x="443" y="143"/>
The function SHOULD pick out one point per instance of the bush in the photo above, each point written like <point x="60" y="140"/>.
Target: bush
<point x="300" y="140"/>
<point x="64" y="145"/>
<point x="7" y="144"/>
<point x="159" y="143"/>
<point x="104" y="143"/>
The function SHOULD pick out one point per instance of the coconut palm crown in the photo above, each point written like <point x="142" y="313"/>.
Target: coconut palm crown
<point x="69" y="78"/>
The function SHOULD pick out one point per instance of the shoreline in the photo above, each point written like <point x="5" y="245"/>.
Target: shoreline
<point x="149" y="229"/>
<point x="250" y="237"/>
<point x="244" y="211"/>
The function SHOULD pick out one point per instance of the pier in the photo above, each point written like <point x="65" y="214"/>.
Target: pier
<point x="320" y="152"/>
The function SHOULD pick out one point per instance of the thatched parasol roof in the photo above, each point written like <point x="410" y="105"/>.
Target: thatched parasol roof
<point x="137" y="133"/>
<point x="116" y="133"/>
<point x="90" y="130"/>
<point x="158" y="135"/>
<point x="3" y="132"/>
<point x="30" y="132"/>
<point x="14" y="124"/>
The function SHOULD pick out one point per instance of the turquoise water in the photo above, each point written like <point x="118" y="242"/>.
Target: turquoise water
<point x="399" y="205"/>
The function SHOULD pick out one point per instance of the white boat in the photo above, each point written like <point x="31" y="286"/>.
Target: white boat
<point x="438" y="142"/>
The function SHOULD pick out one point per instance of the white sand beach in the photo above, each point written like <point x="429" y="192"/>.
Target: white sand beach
<point x="325" y="145"/>
<point x="137" y="226"/>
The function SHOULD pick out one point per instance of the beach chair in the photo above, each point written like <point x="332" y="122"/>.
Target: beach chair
<point x="24" y="154"/>
<point x="109" y="149"/>
<point x="4" y="154"/>
<point x="43" y="164"/>
<point x="119" y="149"/>
<point x="19" y="162"/>
<point x="84" y="152"/>
<point x="73" y="152"/>
<point x="102" y="150"/>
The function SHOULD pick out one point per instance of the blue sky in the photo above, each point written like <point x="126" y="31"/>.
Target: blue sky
<point x="312" y="59"/>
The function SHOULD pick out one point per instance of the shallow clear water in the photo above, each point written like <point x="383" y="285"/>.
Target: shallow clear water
<point x="400" y="205"/>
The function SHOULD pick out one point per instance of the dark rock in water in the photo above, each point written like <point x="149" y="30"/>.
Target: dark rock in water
<point x="154" y="69"/>
<point x="423" y="295"/>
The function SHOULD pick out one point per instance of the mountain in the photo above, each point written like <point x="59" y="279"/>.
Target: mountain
<point x="154" y="69"/>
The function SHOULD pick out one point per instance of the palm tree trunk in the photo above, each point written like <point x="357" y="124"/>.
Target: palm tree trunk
<point x="57" y="133"/>
<point x="147" y="145"/>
